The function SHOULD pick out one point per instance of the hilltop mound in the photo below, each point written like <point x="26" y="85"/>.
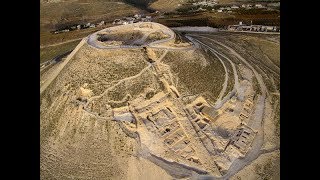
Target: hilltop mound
<point x="138" y="34"/>
<point x="98" y="105"/>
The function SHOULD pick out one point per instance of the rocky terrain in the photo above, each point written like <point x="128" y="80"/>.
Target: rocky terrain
<point x="141" y="101"/>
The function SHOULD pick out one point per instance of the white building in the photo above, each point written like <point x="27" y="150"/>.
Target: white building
<point x="234" y="7"/>
<point x="137" y="16"/>
<point x="101" y="23"/>
<point x="259" y="6"/>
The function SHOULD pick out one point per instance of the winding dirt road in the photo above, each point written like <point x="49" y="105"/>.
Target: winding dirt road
<point x="256" y="120"/>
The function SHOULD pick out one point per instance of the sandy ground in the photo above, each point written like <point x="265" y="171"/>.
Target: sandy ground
<point x="267" y="166"/>
<point x="79" y="140"/>
<point x="140" y="168"/>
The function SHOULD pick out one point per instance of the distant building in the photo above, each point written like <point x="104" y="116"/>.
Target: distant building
<point x="78" y="27"/>
<point x="258" y="6"/>
<point x="249" y="6"/>
<point x="219" y="10"/>
<point x="101" y="23"/>
<point x="277" y="4"/>
<point x="137" y="16"/>
<point x="234" y="7"/>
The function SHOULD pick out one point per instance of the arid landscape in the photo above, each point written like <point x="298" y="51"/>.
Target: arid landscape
<point x="145" y="101"/>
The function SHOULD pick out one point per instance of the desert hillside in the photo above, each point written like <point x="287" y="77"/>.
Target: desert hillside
<point x="55" y="13"/>
<point x="141" y="100"/>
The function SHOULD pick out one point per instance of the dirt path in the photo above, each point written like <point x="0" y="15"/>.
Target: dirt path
<point x="108" y="89"/>
<point x="61" y="66"/>
<point x="255" y="122"/>
<point x="120" y="81"/>
<point x="221" y="100"/>
<point x="257" y="75"/>
<point x="235" y="72"/>
<point x="163" y="55"/>
<point x="57" y="44"/>
<point x="226" y="77"/>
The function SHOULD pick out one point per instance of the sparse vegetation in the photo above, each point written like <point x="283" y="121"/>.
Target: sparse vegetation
<point x="48" y="53"/>
<point x="81" y="138"/>
<point x="219" y="20"/>
<point x="266" y="170"/>
<point x="135" y="87"/>
<point x="256" y="86"/>
<point x="47" y="38"/>
<point x="195" y="76"/>
<point x="156" y="36"/>
<point x="60" y="14"/>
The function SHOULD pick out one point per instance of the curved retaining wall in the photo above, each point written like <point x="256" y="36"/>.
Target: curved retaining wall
<point x="93" y="38"/>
